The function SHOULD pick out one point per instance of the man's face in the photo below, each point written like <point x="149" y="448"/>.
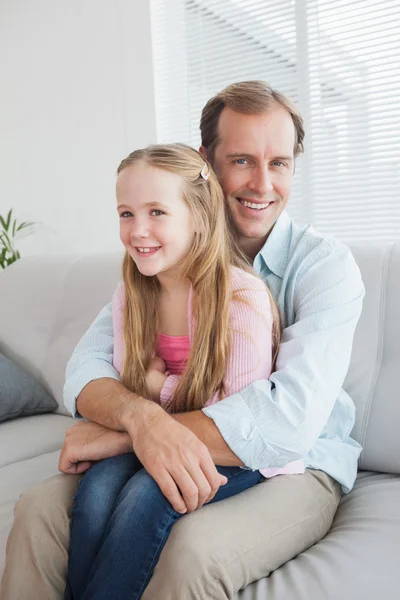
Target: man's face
<point x="254" y="163"/>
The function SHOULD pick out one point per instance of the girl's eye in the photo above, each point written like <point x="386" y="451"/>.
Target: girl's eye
<point x="157" y="213"/>
<point x="126" y="214"/>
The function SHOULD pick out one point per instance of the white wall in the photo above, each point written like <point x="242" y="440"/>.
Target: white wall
<point x="76" y="96"/>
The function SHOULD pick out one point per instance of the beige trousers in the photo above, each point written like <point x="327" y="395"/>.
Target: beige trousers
<point x="210" y="554"/>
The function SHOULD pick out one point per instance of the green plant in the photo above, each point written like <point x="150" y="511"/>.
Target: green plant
<point x="10" y="228"/>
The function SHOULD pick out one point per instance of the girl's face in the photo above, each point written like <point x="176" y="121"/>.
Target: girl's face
<point x="156" y="226"/>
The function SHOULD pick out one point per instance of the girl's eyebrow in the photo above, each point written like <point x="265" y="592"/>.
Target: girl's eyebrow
<point x="155" y="203"/>
<point x="146" y="205"/>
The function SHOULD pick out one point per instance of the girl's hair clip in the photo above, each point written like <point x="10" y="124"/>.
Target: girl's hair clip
<point x="205" y="172"/>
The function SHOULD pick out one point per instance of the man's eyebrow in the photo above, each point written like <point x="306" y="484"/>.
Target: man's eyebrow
<point x="287" y="158"/>
<point x="240" y="155"/>
<point x="252" y="156"/>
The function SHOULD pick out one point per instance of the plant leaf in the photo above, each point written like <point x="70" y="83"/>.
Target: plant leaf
<point x="8" y="241"/>
<point x="24" y="225"/>
<point x="2" y="221"/>
<point x="4" y="241"/>
<point x="8" y="219"/>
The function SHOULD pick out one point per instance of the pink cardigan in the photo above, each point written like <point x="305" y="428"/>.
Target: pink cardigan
<point x="251" y="355"/>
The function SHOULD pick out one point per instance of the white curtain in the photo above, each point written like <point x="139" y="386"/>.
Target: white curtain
<point x="338" y="60"/>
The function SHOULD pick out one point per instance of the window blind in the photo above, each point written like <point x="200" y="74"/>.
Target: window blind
<point x="338" y="61"/>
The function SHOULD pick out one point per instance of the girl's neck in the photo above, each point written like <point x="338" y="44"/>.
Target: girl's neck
<point x="172" y="284"/>
<point x="173" y="306"/>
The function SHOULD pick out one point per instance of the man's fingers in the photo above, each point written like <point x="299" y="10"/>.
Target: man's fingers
<point x="223" y="480"/>
<point x="82" y="467"/>
<point x="214" y="478"/>
<point x="201" y="483"/>
<point x="64" y="463"/>
<point x="187" y="487"/>
<point x="78" y="468"/>
<point x="169" y="488"/>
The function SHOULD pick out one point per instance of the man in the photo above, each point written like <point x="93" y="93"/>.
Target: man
<point x="251" y="134"/>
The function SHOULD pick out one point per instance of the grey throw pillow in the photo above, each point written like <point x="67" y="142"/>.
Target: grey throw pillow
<point x="20" y="394"/>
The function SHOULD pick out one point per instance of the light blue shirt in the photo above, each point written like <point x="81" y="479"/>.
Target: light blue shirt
<point x="302" y="410"/>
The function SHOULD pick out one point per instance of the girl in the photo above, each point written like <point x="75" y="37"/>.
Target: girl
<point x="192" y="324"/>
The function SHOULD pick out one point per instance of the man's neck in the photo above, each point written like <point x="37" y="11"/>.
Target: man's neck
<point x="251" y="246"/>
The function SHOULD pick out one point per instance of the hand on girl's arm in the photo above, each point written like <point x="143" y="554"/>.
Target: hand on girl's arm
<point x="171" y="453"/>
<point x="207" y="431"/>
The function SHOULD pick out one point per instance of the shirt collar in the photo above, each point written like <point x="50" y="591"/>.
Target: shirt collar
<point x="275" y="251"/>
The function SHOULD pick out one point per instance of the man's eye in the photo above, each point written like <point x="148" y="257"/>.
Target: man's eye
<point x="157" y="213"/>
<point x="126" y="214"/>
<point x="241" y="161"/>
<point x="278" y="163"/>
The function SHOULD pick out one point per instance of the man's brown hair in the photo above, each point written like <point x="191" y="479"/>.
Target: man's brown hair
<point x="246" y="97"/>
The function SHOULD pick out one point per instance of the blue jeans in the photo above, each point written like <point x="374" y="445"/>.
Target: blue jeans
<point x="121" y="522"/>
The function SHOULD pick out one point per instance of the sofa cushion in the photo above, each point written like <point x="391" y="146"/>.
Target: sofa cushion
<point x="27" y="437"/>
<point x="66" y="293"/>
<point x="359" y="557"/>
<point x="21" y="394"/>
<point x="372" y="380"/>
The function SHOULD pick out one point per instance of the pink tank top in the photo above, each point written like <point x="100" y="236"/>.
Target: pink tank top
<point x="174" y="350"/>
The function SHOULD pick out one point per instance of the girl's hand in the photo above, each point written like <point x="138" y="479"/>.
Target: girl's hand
<point x="156" y="377"/>
<point x="157" y="364"/>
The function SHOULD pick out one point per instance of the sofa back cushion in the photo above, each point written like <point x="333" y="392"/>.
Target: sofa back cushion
<point x="49" y="302"/>
<point x="372" y="379"/>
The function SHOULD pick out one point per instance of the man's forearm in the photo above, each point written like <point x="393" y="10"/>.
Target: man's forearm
<point x="108" y="402"/>
<point x="207" y="431"/>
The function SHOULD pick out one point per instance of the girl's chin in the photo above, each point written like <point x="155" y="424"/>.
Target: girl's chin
<point x="147" y="272"/>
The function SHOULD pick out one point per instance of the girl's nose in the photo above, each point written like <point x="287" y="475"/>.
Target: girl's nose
<point x="139" y="230"/>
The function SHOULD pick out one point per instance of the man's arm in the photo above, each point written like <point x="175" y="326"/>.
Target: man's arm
<point x="273" y="422"/>
<point x="207" y="431"/>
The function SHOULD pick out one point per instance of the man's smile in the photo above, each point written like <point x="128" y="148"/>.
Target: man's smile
<point x="254" y="206"/>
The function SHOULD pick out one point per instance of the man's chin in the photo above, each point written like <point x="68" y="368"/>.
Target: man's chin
<point x="254" y="230"/>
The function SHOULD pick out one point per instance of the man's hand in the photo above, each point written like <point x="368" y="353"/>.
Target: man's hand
<point x="172" y="454"/>
<point x="87" y="442"/>
<point x="176" y="459"/>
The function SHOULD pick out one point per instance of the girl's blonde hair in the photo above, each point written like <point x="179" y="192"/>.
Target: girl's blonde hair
<point x="207" y="266"/>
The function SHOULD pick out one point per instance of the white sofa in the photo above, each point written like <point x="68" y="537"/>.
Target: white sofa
<point x="48" y="302"/>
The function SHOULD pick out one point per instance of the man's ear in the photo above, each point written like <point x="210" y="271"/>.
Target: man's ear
<point x="203" y="152"/>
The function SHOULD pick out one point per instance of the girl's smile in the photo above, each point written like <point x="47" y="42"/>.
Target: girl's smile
<point x="156" y="225"/>
<point x="146" y="252"/>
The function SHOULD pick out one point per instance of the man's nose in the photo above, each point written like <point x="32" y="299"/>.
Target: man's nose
<point x="261" y="182"/>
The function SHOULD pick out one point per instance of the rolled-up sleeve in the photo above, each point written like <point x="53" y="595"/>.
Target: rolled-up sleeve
<point x="273" y="422"/>
<point x="92" y="359"/>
